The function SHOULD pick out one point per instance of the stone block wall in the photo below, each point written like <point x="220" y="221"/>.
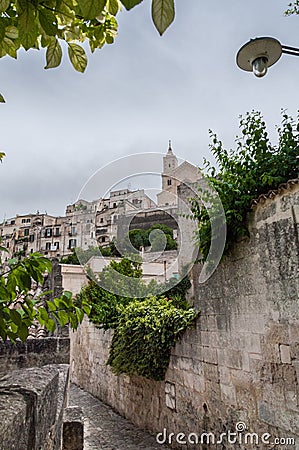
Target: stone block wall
<point x="239" y="365"/>
<point x="33" y="353"/>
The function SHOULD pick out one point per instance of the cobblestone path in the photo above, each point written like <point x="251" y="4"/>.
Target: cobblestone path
<point x="105" y="429"/>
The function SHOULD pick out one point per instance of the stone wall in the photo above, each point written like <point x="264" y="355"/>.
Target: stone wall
<point x="240" y="362"/>
<point x="32" y="403"/>
<point x="33" y="353"/>
<point x="147" y="219"/>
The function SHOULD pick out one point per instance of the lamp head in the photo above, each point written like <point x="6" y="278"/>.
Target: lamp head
<point x="259" y="54"/>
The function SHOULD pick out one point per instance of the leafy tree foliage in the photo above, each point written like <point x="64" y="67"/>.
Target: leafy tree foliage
<point x="293" y="8"/>
<point x="253" y="168"/>
<point x="105" y="305"/>
<point x="159" y="240"/>
<point x="20" y="308"/>
<point x="35" y="24"/>
<point x="80" y="256"/>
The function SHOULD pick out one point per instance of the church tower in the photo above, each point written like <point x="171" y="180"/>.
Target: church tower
<point x="168" y="196"/>
<point x="170" y="161"/>
<point x="172" y="176"/>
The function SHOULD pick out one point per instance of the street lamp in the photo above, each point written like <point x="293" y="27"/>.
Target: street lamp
<point x="260" y="53"/>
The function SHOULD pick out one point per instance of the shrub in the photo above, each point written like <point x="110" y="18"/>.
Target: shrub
<point x="253" y="168"/>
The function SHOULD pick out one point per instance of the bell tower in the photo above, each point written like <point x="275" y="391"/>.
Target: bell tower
<point x="170" y="161"/>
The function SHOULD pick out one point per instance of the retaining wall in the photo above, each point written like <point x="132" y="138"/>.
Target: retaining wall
<point x="239" y="364"/>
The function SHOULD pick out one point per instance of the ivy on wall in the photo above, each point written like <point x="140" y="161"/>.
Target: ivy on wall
<point x="145" y="334"/>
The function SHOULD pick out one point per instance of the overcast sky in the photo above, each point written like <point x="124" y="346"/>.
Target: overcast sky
<point x="58" y="126"/>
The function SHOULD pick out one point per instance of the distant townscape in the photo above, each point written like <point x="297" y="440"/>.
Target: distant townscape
<point x="93" y="223"/>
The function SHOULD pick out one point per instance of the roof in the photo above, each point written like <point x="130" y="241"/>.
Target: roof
<point x="274" y="192"/>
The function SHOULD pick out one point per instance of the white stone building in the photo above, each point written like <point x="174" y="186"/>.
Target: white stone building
<point x="173" y="175"/>
<point x="119" y="203"/>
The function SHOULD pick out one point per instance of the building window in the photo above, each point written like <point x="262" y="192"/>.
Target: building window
<point x="114" y="205"/>
<point x="73" y="231"/>
<point x="103" y="239"/>
<point x="57" y="231"/>
<point x="23" y="220"/>
<point x="72" y="243"/>
<point x="48" y="232"/>
<point x="56" y="244"/>
<point x="12" y="222"/>
<point x="101" y="220"/>
<point x="31" y="238"/>
<point x="48" y="245"/>
<point x="28" y="220"/>
<point x="169" y="182"/>
<point x="26" y="232"/>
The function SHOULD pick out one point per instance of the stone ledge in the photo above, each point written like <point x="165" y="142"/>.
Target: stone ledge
<point x="73" y="429"/>
<point x="29" y="408"/>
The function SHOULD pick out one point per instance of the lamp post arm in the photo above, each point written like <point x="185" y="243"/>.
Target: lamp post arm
<point x="290" y="50"/>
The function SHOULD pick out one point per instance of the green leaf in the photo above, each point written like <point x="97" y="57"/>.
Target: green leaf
<point x="63" y="318"/>
<point x="79" y="313"/>
<point x="9" y="47"/>
<point x="163" y="12"/>
<point x="12" y="261"/>
<point x="53" y="54"/>
<point x="112" y="7"/>
<point x="91" y="8"/>
<point x="11" y="32"/>
<point x="77" y="57"/>
<point x="50" y="325"/>
<point x="28" y="26"/>
<point x="48" y="21"/>
<point x="4" y="4"/>
<point x="129" y="4"/>
<point x="2" y="100"/>
<point x="43" y="314"/>
<point x="51" y="306"/>
<point x="16" y="317"/>
<point x="86" y="308"/>
<point x="23" y="332"/>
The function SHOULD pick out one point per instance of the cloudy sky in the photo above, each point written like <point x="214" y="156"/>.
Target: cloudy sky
<point x="58" y="126"/>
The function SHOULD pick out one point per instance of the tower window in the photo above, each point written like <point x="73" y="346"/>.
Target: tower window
<point x="169" y="182"/>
